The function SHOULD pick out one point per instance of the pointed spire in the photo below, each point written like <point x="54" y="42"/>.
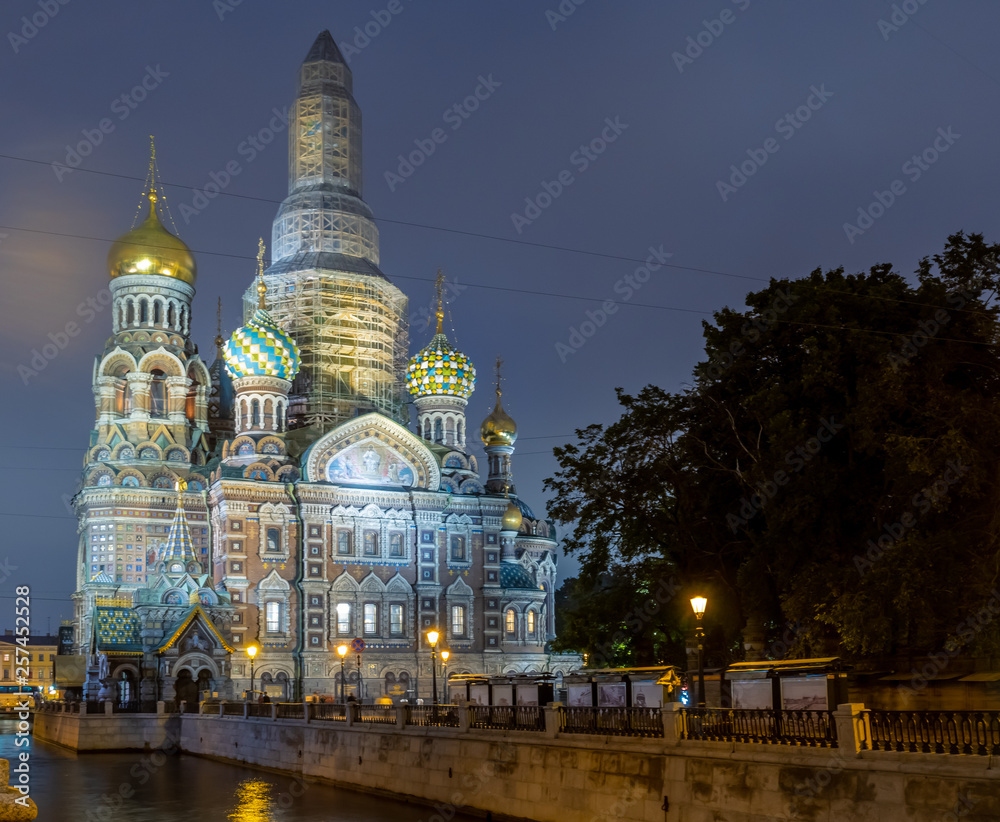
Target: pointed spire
<point x="439" y="287"/>
<point x="178" y="545"/>
<point x="219" y="339"/>
<point x="499" y="363"/>
<point x="261" y="285"/>
<point x="324" y="49"/>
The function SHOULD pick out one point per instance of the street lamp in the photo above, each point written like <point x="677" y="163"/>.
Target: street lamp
<point x="251" y="652"/>
<point x="432" y="638"/>
<point x="698" y="604"/>
<point x="444" y="662"/>
<point x="342" y="652"/>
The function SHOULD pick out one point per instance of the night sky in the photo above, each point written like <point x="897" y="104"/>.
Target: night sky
<point x="835" y="103"/>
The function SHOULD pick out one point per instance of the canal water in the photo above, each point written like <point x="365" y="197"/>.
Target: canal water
<point x="151" y="787"/>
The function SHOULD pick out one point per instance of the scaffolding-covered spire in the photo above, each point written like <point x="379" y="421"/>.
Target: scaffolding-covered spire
<point x="324" y="49"/>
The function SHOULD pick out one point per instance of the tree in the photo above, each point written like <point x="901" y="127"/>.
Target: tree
<point x="832" y="466"/>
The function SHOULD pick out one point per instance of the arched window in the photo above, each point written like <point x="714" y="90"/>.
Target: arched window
<point x="143" y="311"/>
<point x="531" y="624"/>
<point x="450" y="432"/>
<point x="171" y="315"/>
<point x="123" y="397"/>
<point x="272" y="615"/>
<point x="255" y="414"/>
<point x="510" y="622"/>
<point x="281" y="416"/>
<point x="427" y="429"/>
<point x="157" y="393"/>
<point x="156" y="312"/>
<point x="461" y="432"/>
<point x="438" y="431"/>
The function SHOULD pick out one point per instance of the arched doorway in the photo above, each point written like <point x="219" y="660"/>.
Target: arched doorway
<point x="185" y="688"/>
<point x="204" y="684"/>
<point x="127" y="691"/>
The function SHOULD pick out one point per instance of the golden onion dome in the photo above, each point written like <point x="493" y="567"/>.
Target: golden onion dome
<point x="498" y="428"/>
<point x="151" y="249"/>
<point x="511" y="517"/>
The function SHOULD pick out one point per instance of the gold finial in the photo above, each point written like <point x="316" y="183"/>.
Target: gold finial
<point x="152" y="171"/>
<point x="218" y="332"/>
<point x="499" y="363"/>
<point x="181" y="488"/>
<point x="261" y="285"/>
<point x="439" y="287"/>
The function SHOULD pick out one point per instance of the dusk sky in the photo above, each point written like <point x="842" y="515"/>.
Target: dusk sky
<point x="600" y="138"/>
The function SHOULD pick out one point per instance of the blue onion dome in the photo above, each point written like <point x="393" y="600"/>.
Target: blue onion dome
<point x="440" y="369"/>
<point x="261" y="349"/>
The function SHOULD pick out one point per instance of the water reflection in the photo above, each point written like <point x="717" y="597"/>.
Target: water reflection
<point x="253" y="801"/>
<point x="147" y="786"/>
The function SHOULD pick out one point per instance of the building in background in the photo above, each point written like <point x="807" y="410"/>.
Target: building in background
<point x="306" y="514"/>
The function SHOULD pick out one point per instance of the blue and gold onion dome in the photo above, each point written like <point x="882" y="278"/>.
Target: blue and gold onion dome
<point x="261" y="349"/>
<point x="440" y="369"/>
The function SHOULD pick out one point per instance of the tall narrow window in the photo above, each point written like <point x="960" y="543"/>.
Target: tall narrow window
<point x="273" y="540"/>
<point x="458" y="549"/>
<point x="458" y="620"/>
<point x="143" y="311"/>
<point x="158" y="394"/>
<point x="396" y="545"/>
<point x="343" y="618"/>
<point x="371" y="619"/>
<point x="371" y="544"/>
<point x="255" y="413"/>
<point x="396" y="619"/>
<point x="156" y="312"/>
<point x="510" y="622"/>
<point x="343" y="542"/>
<point x="531" y="623"/>
<point x="272" y="613"/>
<point x="438" y="431"/>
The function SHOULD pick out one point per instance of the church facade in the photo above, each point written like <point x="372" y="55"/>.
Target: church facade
<point x="277" y="498"/>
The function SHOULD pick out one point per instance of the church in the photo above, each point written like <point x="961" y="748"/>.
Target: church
<point x="276" y="498"/>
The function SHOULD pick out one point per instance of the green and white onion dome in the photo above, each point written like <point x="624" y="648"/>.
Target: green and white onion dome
<point x="261" y="349"/>
<point x="440" y="369"/>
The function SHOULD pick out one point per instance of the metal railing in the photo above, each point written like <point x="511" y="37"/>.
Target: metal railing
<point x="612" y="721"/>
<point x="375" y="714"/>
<point x="232" y="708"/>
<point x="809" y="729"/>
<point x="290" y="710"/>
<point x="258" y="709"/>
<point x="327" y="711"/>
<point x="442" y="716"/>
<point x="507" y="717"/>
<point x="944" y="732"/>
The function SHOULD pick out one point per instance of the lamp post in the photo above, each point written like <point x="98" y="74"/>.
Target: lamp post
<point x="432" y="638"/>
<point x="342" y="652"/>
<point x="698" y="604"/>
<point x="444" y="662"/>
<point x="251" y="652"/>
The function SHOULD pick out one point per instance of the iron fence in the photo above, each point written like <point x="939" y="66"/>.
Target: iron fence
<point x="376" y="714"/>
<point x="445" y="716"/>
<point x="944" y="732"/>
<point x="327" y="711"/>
<point x="507" y="717"/>
<point x="611" y="721"/>
<point x="809" y="729"/>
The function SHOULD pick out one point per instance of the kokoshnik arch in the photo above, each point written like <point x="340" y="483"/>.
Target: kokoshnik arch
<point x="277" y="497"/>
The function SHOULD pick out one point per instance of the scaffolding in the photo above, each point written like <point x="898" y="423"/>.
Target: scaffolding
<point x="353" y="335"/>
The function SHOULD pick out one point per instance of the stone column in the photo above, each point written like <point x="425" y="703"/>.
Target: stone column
<point x="847" y="718"/>
<point x="177" y="391"/>
<point x="552" y="716"/>
<point x="672" y="727"/>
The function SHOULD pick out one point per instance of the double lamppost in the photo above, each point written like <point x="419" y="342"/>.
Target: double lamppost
<point x="251" y="652"/>
<point x="698" y="604"/>
<point x="342" y="653"/>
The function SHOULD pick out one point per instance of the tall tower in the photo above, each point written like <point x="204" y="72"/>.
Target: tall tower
<point x="324" y="284"/>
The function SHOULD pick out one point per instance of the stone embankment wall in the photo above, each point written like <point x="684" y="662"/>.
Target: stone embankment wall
<point x="552" y="777"/>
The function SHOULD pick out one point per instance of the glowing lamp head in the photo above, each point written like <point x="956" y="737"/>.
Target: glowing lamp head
<point x="432" y="637"/>
<point x="342" y="650"/>
<point x="698" y="604"/>
<point x="252" y="651"/>
<point x="445" y="655"/>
